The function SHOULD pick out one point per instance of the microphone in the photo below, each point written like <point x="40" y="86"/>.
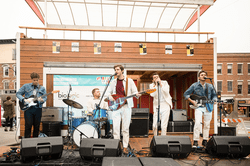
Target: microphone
<point x="114" y="75"/>
<point x="48" y="116"/>
<point x="208" y="78"/>
<point x="70" y="87"/>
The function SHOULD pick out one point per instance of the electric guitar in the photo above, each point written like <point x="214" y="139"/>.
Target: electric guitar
<point x="120" y="100"/>
<point x="32" y="101"/>
<point x="204" y="102"/>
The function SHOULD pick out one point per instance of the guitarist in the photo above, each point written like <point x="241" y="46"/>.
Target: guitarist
<point x="118" y="86"/>
<point x="201" y="88"/>
<point x="165" y="103"/>
<point x="32" y="115"/>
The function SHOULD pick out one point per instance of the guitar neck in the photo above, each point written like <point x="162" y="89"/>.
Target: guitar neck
<point x="43" y="96"/>
<point x="133" y="95"/>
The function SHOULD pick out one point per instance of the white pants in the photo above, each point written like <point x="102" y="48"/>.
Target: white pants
<point x="123" y="114"/>
<point x="164" y="117"/>
<point x="198" y="123"/>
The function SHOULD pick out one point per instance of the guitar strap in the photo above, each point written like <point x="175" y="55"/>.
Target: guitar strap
<point x="207" y="104"/>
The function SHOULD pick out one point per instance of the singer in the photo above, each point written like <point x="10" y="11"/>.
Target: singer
<point x="165" y="103"/>
<point x="126" y="87"/>
<point x="201" y="88"/>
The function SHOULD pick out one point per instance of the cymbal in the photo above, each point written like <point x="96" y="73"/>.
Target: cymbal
<point x="72" y="103"/>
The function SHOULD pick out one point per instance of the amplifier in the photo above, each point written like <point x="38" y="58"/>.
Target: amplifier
<point x="52" y="114"/>
<point x="179" y="115"/>
<point x="180" y="126"/>
<point x="140" y="112"/>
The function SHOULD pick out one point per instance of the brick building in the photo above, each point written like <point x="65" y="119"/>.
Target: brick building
<point x="7" y="69"/>
<point x="233" y="71"/>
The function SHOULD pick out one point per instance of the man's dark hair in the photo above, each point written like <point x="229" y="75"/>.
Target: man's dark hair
<point x="202" y="72"/>
<point x="93" y="91"/>
<point x="8" y="98"/>
<point x="155" y="73"/>
<point x="34" y="75"/>
<point x="120" y="66"/>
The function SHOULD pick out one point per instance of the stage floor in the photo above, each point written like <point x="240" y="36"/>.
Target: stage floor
<point x="139" y="147"/>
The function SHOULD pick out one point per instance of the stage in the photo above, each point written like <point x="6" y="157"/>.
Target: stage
<point x="139" y="149"/>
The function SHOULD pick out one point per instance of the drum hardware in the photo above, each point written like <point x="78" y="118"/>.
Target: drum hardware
<point x="72" y="103"/>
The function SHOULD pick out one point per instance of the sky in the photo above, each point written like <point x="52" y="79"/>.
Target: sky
<point x="229" y="19"/>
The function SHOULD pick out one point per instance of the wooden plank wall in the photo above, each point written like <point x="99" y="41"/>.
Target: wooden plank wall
<point x="34" y="52"/>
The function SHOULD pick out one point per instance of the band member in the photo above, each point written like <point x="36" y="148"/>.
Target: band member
<point x="118" y="86"/>
<point x="33" y="114"/>
<point x="201" y="88"/>
<point x="9" y="113"/>
<point x="91" y="105"/>
<point x="165" y="103"/>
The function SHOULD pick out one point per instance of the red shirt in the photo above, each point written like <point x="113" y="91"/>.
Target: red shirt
<point x="119" y="88"/>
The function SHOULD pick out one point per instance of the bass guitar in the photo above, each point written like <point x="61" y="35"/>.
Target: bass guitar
<point x="32" y="101"/>
<point x="202" y="101"/>
<point x="120" y="100"/>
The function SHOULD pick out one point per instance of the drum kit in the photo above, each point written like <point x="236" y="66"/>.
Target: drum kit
<point x="90" y="127"/>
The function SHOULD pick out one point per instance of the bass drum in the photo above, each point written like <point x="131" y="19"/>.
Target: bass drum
<point x="88" y="129"/>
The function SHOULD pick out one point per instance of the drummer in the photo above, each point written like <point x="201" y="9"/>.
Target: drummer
<point x="91" y="105"/>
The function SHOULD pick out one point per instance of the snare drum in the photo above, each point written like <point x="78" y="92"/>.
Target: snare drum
<point x="76" y="121"/>
<point x="88" y="128"/>
<point x="100" y="114"/>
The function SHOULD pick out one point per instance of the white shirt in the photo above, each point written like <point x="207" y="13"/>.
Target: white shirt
<point x="91" y="105"/>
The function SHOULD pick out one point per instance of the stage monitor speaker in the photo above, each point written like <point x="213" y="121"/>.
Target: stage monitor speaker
<point x="149" y="161"/>
<point x="171" y="146"/>
<point x="229" y="146"/>
<point x="41" y="146"/>
<point x="120" y="161"/>
<point x="99" y="148"/>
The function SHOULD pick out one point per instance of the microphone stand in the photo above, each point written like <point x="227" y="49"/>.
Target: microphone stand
<point x="98" y="105"/>
<point x="158" y="117"/>
<point x="219" y="102"/>
<point x="69" y="130"/>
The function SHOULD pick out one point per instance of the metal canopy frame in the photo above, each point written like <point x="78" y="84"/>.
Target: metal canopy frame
<point x="155" y="15"/>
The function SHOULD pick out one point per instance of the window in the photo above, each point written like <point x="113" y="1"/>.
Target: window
<point x="6" y="85"/>
<point x="248" y="68"/>
<point x="229" y="86"/>
<point x="5" y="71"/>
<point x="240" y="87"/>
<point x="240" y="69"/>
<point x="229" y="68"/>
<point x="219" y="86"/>
<point x="219" y="68"/>
<point x="14" y="70"/>
<point x="14" y="84"/>
<point x="13" y="54"/>
<point x="248" y="88"/>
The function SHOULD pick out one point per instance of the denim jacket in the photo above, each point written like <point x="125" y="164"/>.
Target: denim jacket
<point x="196" y="88"/>
<point x="27" y="90"/>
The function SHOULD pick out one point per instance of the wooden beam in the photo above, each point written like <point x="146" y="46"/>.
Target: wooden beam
<point x="105" y="29"/>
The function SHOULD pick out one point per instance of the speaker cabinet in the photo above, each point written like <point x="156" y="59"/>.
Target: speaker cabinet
<point x="139" y="127"/>
<point x="227" y="131"/>
<point x="229" y="146"/>
<point x="52" y="128"/>
<point x="99" y="148"/>
<point x="149" y="161"/>
<point x="41" y="146"/>
<point x="171" y="146"/>
<point x="120" y="161"/>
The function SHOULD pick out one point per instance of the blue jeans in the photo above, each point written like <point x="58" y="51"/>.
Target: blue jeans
<point x="32" y="117"/>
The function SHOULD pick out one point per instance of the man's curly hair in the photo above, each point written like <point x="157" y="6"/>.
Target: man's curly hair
<point x="34" y="75"/>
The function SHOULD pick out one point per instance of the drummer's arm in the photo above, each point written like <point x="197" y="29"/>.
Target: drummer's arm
<point x="89" y="107"/>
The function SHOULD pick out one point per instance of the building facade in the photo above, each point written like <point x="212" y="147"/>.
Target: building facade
<point x="7" y="69"/>
<point x="233" y="73"/>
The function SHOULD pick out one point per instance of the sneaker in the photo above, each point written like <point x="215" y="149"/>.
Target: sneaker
<point x="11" y="129"/>
<point x="204" y="143"/>
<point x="6" y="129"/>
<point x="195" y="143"/>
